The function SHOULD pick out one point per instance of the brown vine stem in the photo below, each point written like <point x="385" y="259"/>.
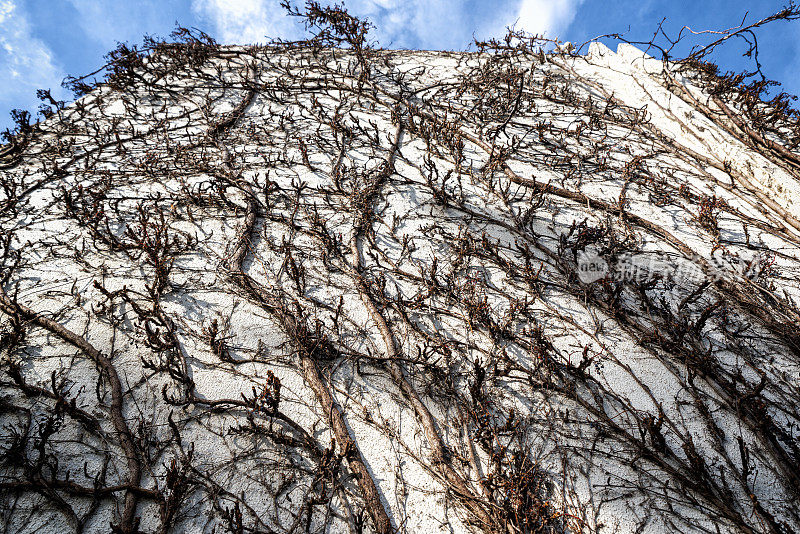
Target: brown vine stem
<point x="440" y="456"/>
<point x="128" y="521"/>
<point x="311" y="374"/>
<point x="289" y="323"/>
<point x="777" y="318"/>
<point x="785" y="217"/>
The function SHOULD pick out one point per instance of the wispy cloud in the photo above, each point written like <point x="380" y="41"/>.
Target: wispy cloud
<point x="443" y="24"/>
<point x="432" y="24"/>
<point x="246" y="21"/>
<point x="416" y="23"/>
<point x="547" y="17"/>
<point x="26" y="63"/>
<point x="101" y="21"/>
<point x="111" y="21"/>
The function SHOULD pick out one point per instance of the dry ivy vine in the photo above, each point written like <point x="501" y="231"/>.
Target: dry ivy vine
<point x="319" y="210"/>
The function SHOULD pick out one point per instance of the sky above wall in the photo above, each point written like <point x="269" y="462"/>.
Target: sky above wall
<point x="42" y="41"/>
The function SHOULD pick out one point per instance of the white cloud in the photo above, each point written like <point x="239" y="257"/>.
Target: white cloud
<point x="418" y="23"/>
<point x="110" y="21"/>
<point x="26" y="63"/>
<point x="433" y="24"/>
<point x="246" y="21"/>
<point x="546" y="17"/>
<point x="101" y="21"/>
<point x="401" y="23"/>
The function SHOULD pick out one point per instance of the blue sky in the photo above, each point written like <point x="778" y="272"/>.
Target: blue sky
<point x="41" y="41"/>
